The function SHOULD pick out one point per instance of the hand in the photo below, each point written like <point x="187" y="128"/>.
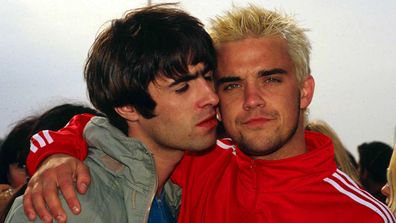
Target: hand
<point x="61" y="171"/>
<point x="6" y="192"/>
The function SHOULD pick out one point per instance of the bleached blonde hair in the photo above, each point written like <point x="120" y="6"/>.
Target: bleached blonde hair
<point x="256" y="22"/>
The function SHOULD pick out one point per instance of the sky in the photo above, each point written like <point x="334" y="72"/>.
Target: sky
<point x="44" y="44"/>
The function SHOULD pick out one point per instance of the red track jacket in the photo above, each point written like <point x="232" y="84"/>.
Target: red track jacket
<point x="225" y="185"/>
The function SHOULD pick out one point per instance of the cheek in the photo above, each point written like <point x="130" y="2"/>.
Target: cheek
<point x="229" y="111"/>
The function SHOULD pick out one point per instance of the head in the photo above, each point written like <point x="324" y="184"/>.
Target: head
<point x="374" y="158"/>
<point x="150" y="73"/>
<point x="14" y="151"/>
<point x="343" y="158"/>
<point x="263" y="80"/>
<point x="16" y="144"/>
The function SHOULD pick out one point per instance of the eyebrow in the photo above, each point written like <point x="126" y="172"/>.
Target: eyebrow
<point x="271" y="72"/>
<point x="184" y="78"/>
<point x="261" y="73"/>
<point x="227" y="79"/>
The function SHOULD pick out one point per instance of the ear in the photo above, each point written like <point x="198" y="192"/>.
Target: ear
<point x="307" y="92"/>
<point x="128" y="112"/>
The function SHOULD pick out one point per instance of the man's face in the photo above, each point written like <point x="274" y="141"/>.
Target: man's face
<point x="260" y="98"/>
<point x="185" y="112"/>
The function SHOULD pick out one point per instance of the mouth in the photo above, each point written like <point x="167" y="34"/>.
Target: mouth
<point x="256" y="121"/>
<point x="209" y="122"/>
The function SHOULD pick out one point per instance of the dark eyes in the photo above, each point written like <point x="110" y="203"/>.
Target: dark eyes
<point x="183" y="88"/>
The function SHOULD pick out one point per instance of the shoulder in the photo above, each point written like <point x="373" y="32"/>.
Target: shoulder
<point x="16" y="213"/>
<point x="361" y="202"/>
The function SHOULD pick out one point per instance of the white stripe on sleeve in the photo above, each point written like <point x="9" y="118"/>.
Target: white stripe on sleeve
<point x="33" y="148"/>
<point x="39" y="139"/>
<point x="356" y="198"/>
<point x="48" y="137"/>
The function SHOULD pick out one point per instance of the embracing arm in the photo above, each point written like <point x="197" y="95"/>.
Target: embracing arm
<point x="68" y="140"/>
<point x="55" y="160"/>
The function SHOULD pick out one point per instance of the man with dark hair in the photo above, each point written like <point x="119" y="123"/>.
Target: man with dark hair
<point x="150" y="73"/>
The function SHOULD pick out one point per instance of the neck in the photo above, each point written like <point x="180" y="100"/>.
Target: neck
<point x="165" y="158"/>
<point x="165" y="163"/>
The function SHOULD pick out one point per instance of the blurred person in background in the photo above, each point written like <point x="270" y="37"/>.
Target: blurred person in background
<point x="374" y="160"/>
<point x="15" y="147"/>
<point x="344" y="159"/>
<point x="12" y="159"/>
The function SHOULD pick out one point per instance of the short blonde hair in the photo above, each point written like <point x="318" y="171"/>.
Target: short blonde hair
<point x="253" y="21"/>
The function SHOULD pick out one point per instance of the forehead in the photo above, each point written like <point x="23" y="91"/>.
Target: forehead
<point x="252" y="55"/>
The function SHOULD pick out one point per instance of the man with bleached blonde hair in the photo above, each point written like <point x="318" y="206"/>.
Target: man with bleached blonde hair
<point x="270" y="169"/>
<point x="258" y="22"/>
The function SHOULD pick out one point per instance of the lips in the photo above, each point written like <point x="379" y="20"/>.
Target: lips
<point x="209" y="122"/>
<point x="256" y="121"/>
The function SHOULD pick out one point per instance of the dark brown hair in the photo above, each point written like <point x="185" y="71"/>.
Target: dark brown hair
<point x="134" y="50"/>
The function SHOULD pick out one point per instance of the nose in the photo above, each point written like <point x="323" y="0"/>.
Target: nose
<point x="209" y="97"/>
<point x="252" y="97"/>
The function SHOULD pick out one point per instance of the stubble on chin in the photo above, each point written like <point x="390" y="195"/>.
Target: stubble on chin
<point x="258" y="146"/>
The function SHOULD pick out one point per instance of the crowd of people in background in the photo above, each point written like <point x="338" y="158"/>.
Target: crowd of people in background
<point x="125" y="102"/>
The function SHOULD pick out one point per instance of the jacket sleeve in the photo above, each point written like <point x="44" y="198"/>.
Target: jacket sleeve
<point x="68" y="140"/>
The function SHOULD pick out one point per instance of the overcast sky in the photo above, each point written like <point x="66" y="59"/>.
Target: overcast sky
<point x="44" y="43"/>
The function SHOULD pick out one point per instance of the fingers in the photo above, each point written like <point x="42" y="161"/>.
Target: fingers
<point x="4" y="187"/>
<point x="66" y="186"/>
<point x="51" y="198"/>
<point x="39" y="206"/>
<point x="28" y="205"/>
<point x="83" y="177"/>
<point x="41" y="196"/>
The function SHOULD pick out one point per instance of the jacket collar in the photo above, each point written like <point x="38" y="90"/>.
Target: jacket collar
<point x="290" y="173"/>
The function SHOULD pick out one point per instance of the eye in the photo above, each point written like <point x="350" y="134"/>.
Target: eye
<point x="229" y="87"/>
<point x="183" y="88"/>
<point x="272" y="80"/>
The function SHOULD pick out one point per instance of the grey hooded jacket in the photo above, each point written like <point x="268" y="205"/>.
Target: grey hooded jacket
<point x="123" y="180"/>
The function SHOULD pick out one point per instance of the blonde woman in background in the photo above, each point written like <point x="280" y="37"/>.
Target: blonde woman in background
<point x="342" y="157"/>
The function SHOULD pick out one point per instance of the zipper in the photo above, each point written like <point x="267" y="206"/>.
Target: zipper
<point x="154" y="190"/>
